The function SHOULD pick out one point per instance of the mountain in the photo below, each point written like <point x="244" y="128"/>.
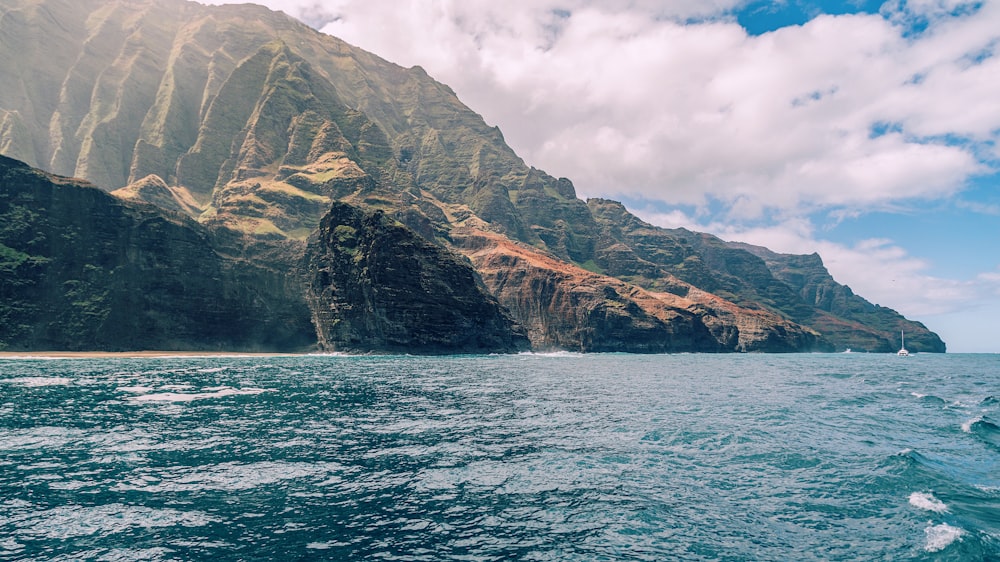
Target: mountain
<point x="281" y="144"/>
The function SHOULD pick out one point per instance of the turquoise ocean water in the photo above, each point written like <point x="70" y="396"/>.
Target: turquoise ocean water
<point x="523" y="457"/>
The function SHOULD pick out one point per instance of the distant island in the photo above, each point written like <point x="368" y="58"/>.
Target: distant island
<point x="225" y="178"/>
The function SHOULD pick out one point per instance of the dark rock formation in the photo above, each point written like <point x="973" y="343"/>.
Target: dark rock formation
<point x="82" y="270"/>
<point x="375" y="285"/>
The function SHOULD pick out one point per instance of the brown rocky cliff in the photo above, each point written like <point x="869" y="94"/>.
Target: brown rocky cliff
<point x="566" y="307"/>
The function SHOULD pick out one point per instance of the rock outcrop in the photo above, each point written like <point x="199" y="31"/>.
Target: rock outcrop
<point x="834" y="309"/>
<point x="374" y="284"/>
<point x="798" y="288"/>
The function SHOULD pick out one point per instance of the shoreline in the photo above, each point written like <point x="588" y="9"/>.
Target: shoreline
<point x="134" y="354"/>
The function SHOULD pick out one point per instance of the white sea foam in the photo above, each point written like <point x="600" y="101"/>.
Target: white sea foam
<point x="927" y="502"/>
<point x="940" y="536"/>
<point x="214" y="392"/>
<point x="38" y="381"/>
<point x="918" y="395"/>
<point x="551" y="353"/>
<point x="967" y="426"/>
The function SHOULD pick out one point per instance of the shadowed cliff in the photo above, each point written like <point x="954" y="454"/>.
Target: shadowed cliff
<point x="80" y="270"/>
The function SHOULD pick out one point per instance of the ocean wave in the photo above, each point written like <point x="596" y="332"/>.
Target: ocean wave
<point x="212" y="392"/>
<point x="177" y="387"/>
<point x="981" y="424"/>
<point x="984" y="429"/>
<point x="136" y="389"/>
<point x="119" y="555"/>
<point x="928" y="398"/>
<point x="939" y="537"/>
<point x="907" y="457"/>
<point x="967" y="426"/>
<point x="920" y="471"/>
<point x="927" y="502"/>
<point x="42" y="437"/>
<point x="9" y="547"/>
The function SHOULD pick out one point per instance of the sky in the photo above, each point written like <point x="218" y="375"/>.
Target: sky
<point x="866" y="131"/>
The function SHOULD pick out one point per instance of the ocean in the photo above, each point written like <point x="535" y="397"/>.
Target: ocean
<point x="509" y="457"/>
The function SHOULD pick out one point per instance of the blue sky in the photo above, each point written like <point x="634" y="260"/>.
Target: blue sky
<point x="863" y="130"/>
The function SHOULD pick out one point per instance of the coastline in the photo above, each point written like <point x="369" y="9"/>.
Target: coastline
<point x="133" y="354"/>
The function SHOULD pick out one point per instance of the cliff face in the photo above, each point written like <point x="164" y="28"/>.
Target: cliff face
<point x="253" y="126"/>
<point x="567" y="307"/>
<point x="847" y="318"/>
<point x="799" y="288"/>
<point x="81" y="270"/>
<point x="374" y="284"/>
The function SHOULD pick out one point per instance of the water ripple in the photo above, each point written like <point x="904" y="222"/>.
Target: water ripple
<point x="555" y="457"/>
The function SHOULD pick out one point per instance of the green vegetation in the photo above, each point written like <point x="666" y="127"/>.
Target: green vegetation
<point x="11" y="259"/>
<point x="591" y="266"/>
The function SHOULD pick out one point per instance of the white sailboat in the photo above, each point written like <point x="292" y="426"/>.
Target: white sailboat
<point x="902" y="345"/>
